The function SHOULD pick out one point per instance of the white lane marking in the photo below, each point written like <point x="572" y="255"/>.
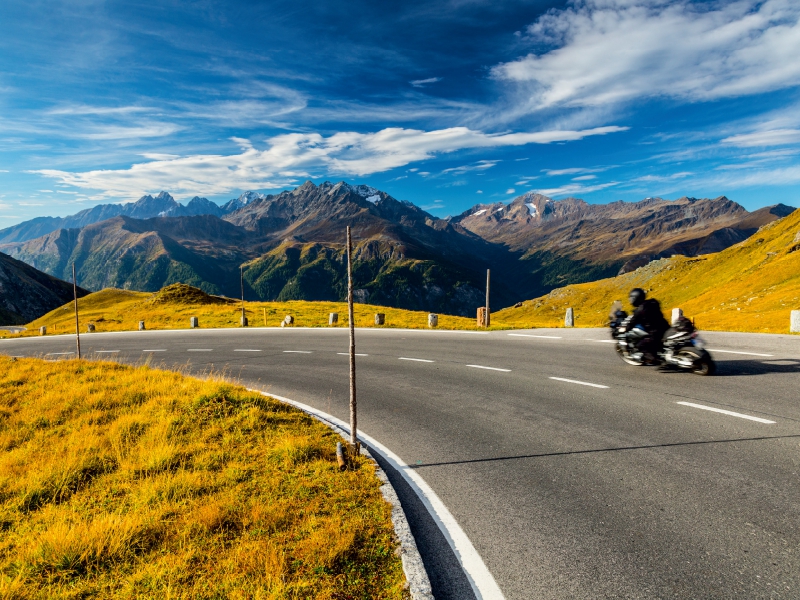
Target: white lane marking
<point x="105" y="351"/>
<point x="738" y="352"/>
<point x="479" y="577"/>
<point x="596" y="385"/>
<point x="58" y="353"/>
<point x="157" y="350"/>
<point x="246" y="350"/>
<point x="297" y="351"/>
<point x="490" y="368"/>
<point x="199" y="349"/>
<point x="727" y="412"/>
<point x="547" y="337"/>
<point x="603" y="341"/>
<point x="348" y="354"/>
<point x="416" y="359"/>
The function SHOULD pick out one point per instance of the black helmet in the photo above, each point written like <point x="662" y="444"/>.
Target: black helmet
<point x="636" y="296"/>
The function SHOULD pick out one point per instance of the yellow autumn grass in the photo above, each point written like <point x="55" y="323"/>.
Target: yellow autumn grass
<point x="751" y="286"/>
<point x="121" y="310"/>
<point x="121" y="482"/>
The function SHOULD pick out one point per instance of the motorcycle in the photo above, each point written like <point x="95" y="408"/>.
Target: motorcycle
<point x="681" y="346"/>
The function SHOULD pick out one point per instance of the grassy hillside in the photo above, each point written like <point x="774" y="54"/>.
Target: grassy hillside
<point x="171" y="308"/>
<point x="751" y="286"/>
<point x="118" y="482"/>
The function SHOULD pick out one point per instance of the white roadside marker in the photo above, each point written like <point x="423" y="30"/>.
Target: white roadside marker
<point x="297" y="352"/>
<point x="348" y="354"/>
<point x="490" y="368"/>
<point x="738" y="352"/>
<point x="595" y="385"/>
<point x="199" y="349"/>
<point x="247" y="350"/>
<point x="728" y="412"/>
<point x="416" y="359"/>
<point x="546" y="337"/>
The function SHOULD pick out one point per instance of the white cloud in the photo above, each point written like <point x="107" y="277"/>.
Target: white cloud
<point x="584" y="178"/>
<point x="424" y="82"/>
<point x="608" y="51"/>
<point x="574" y="189"/>
<point x="293" y="155"/>
<point x="662" y="178"/>
<point x="481" y="165"/>
<point x="510" y="191"/>
<point x="574" y="171"/>
<point x="479" y="192"/>
<point x="775" y="137"/>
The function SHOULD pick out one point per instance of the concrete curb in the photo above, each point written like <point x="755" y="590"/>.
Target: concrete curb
<point x="419" y="586"/>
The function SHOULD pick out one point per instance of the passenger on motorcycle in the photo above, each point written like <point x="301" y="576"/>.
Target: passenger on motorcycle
<point x="647" y="315"/>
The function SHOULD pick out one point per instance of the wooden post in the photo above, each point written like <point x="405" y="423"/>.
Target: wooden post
<point x="77" y="324"/>
<point x="353" y="405"/>
<point x="488" y="318"/>
<point x="241" y="282"/>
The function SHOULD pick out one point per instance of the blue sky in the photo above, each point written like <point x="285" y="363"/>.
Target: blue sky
<point x="447" y="104"/>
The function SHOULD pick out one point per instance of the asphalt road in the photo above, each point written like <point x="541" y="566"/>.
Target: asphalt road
<point x="626" y="488"/>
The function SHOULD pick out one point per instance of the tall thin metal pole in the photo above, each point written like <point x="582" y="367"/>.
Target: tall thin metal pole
<point x="77" y="324"/>
<point x="241" y="282"/>
<point x="487" y="318"/>
<point x="353" y="406"/>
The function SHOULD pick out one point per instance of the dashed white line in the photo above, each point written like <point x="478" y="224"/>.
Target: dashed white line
<point x="245" y="350"/>
<point x="106" y="351"/>
<point x="547" y="337"/>
<point x="489" y="368"/>
<point x="603" y="341"/>
<point x="348" y="354"/>
<point x="199" y="349"/>
<point x="738" y="352"/>
<point x="297" y="351"/>
<point x="156" y="350"/>
<point x="596" y="385"/>
<point x="58" y="353"/>
<point x="416" y="359"/>
<point x="730" y="413"/>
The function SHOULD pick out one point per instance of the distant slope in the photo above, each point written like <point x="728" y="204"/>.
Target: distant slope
<point x="26" y="293"/>
<point x="751" y="286"/>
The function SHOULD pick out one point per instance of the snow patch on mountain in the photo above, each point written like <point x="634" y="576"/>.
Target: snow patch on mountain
<point x="532" y="209"/>
<point x="374" y="199"/>
<point x="479" y="213"/>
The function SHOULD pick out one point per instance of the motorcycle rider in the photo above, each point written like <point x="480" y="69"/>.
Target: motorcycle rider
<point x="647" y="315"/>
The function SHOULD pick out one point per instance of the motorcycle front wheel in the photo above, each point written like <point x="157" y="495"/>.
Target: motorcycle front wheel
<point x="702" y="363"/>
<point x="626" y="356"/>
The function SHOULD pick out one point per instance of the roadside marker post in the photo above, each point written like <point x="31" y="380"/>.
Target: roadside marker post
<point x="353" y="405"/>
<point x="77" y="324"/>
<point x="487" y="316"/>
<point x="243" y="320"/>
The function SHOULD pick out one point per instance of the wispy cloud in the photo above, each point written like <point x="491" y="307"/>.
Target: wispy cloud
<point x="574" y="171"/>
<point x="424" y="82"/>
<point x="575" y="189"/>
<point x="775" y="137"/>
<point x="611" y="51"/>
<point x="481" y="165"/>
<point x="291" y="156"/>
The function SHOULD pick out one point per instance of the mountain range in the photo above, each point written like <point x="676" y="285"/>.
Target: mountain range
<point x="291" y="244"/>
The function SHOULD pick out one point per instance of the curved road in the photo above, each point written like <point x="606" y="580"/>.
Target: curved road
<point x="572" y="474"/>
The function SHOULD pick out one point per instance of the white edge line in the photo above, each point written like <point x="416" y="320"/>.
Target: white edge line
<point x="737" y="352"/>
<point x="245" y="350"/>
<point x="489" y="368"/>
<point x="479" y="577"/>
<point x="105" y="351"/>
<point x="596" y="385"/>
<point x="58" y="353"/>
<point x="297" y="351"/>
<point x="603" y="341"/>
<point x="199" y="349"/>
<point x="547" y="337"/>
<point x="348" y="354"/>
<point x="415" y="359"/>
<point x="727" y="412"/>
<point x="158" y="350"/>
